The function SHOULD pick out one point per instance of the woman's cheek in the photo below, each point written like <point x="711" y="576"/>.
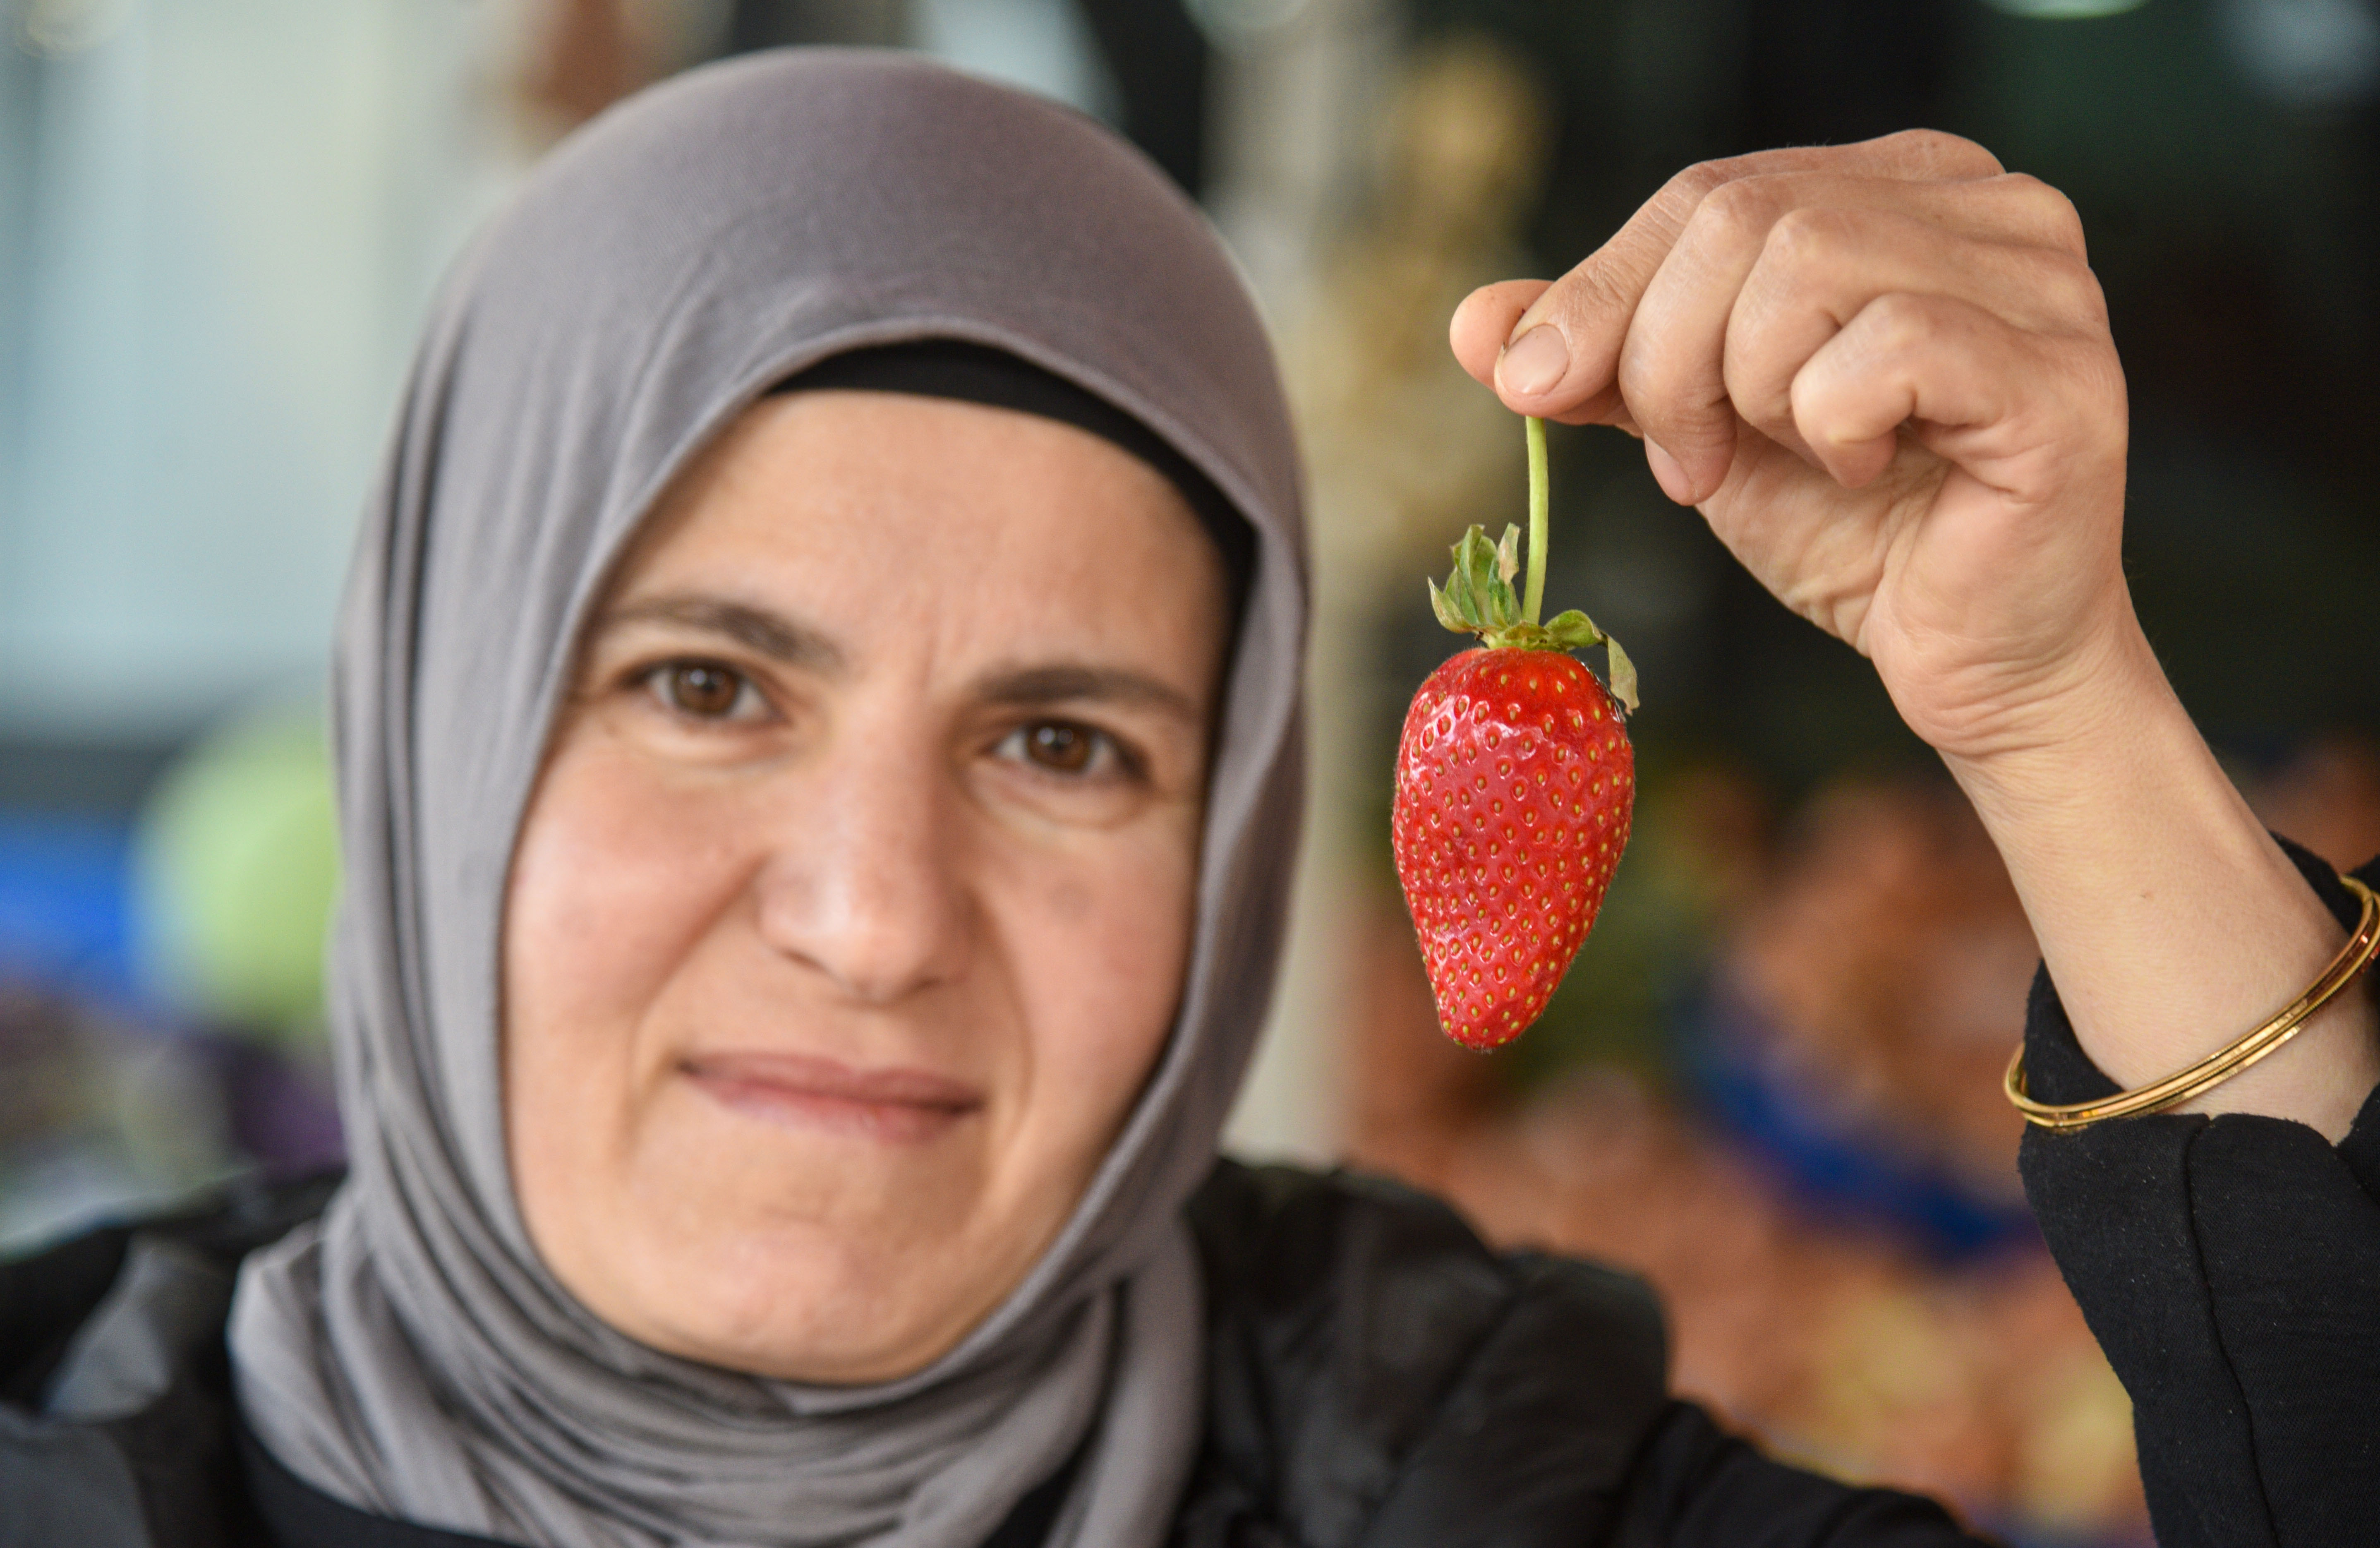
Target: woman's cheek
<point x="1104" y="969"/>
<point x="610" y="889"/>
<point x="614" y="877"/>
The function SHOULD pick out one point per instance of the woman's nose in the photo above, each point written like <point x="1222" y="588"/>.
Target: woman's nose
<point x="864" y="880"/>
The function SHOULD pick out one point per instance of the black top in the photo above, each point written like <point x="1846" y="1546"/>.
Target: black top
<point x="294" y="1514"/>
<point x="1377" y="1378"/>
<point x="2230" y="1268"/>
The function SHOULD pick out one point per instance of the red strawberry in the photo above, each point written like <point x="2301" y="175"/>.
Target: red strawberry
<point x="1515" y="784"/>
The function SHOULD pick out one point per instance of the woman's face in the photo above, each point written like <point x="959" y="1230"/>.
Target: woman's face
<point x="854" y="899"/>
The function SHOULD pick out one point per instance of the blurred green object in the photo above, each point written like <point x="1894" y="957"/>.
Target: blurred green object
<point x="236" y="869"/>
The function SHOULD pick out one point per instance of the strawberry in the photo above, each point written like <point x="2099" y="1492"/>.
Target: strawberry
<point x="1515" y="784"/>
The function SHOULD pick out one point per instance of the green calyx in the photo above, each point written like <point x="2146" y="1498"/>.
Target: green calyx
<point x="1478" y="596"/>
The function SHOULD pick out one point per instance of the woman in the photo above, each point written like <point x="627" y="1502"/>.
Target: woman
<point x="817" y="717"/>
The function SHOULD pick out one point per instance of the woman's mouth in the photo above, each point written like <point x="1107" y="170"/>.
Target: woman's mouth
<point x="794" y="1091"/>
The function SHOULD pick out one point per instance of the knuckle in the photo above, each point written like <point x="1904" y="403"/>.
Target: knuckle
<point x="2074" y="295"/>
<point x="1741" y="211"/>
<point x="1758" y="391"/>
<point x="1705" y="175"/>
<point x="1690" y="189"/>
<point x="1806" y="235"/>
<point x="1646" y="383"/>
<point x="2061" y="223"/>
<point x="1589" y="292"/>
<point x="1944" y="153"/>
<point x="1900" y="322"/>
<point x="1684" y="194"/>
<point x="1670" y="397"/>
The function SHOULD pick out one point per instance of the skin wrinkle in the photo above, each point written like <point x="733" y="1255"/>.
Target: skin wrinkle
<point x="1027" y="685"/>
<point x="780" y="638"/>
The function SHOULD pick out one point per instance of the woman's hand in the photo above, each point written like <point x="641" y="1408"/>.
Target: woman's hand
<point x="1883" y="373"/>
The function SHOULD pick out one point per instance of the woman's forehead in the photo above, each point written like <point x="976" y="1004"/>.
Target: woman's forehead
<point x="864" y="513"/>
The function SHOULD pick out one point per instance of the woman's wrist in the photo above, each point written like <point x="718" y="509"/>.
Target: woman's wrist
<point x="2170" y="921"/>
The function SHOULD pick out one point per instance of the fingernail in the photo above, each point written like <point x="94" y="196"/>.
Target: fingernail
<point x="1672" y="474"/>
<point x="1535" y="363"/>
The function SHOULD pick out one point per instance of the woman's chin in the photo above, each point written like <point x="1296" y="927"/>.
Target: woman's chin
<point x="802" y="1234"/>
<point x="800" y="1310"/>
<point x="799" y="1245"/>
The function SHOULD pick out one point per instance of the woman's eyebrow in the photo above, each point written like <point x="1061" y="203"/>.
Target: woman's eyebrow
<point x="1053" y="685"/>
<point x="771" y="634"/>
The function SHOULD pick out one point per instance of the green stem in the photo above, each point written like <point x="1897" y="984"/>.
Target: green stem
<point x="1534" y="598"/>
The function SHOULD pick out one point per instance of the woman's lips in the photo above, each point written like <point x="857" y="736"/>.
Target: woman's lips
<point x="799" y="1092"/>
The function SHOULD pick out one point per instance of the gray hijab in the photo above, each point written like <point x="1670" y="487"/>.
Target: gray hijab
<point x="410" y="1354"/>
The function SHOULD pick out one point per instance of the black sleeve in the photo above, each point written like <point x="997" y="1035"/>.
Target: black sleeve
<point x="2230" y="1268"/>
<point x="43" y="1300"/>
<point x="1696" y="1486"/>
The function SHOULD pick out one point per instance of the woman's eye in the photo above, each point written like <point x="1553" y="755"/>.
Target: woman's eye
<point x="1062" y="747"/>
<point x="703" y="689"/>
<point x="1066" y="748"/>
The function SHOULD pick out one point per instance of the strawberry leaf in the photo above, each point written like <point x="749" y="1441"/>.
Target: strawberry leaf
<point x="1477" y="594"/>
<point x="1503" y="607"/>
<point x="1441" y="603"/>
<point x="1466" y="605"/>
<point x="1508" y="553"/>
<point x="1623" y="675"/>
<point x="1476" y="558"/>
<point x="1573" y="631"/>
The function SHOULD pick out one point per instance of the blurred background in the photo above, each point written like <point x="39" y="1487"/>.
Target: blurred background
<point x="1772" y="1081"/>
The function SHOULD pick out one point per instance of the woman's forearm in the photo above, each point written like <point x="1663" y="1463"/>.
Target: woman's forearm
<point x="2170" y="921"/>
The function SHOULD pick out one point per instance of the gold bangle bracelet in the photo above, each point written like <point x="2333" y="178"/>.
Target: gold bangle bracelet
<point x="2223" y="1062"/>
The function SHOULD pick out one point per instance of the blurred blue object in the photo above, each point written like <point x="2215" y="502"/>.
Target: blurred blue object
<point x="64" y="903"/>
<point x="1833" y="1168"/>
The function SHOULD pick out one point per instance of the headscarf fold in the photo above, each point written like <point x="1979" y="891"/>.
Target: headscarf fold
<point x="410" y="1354"/>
